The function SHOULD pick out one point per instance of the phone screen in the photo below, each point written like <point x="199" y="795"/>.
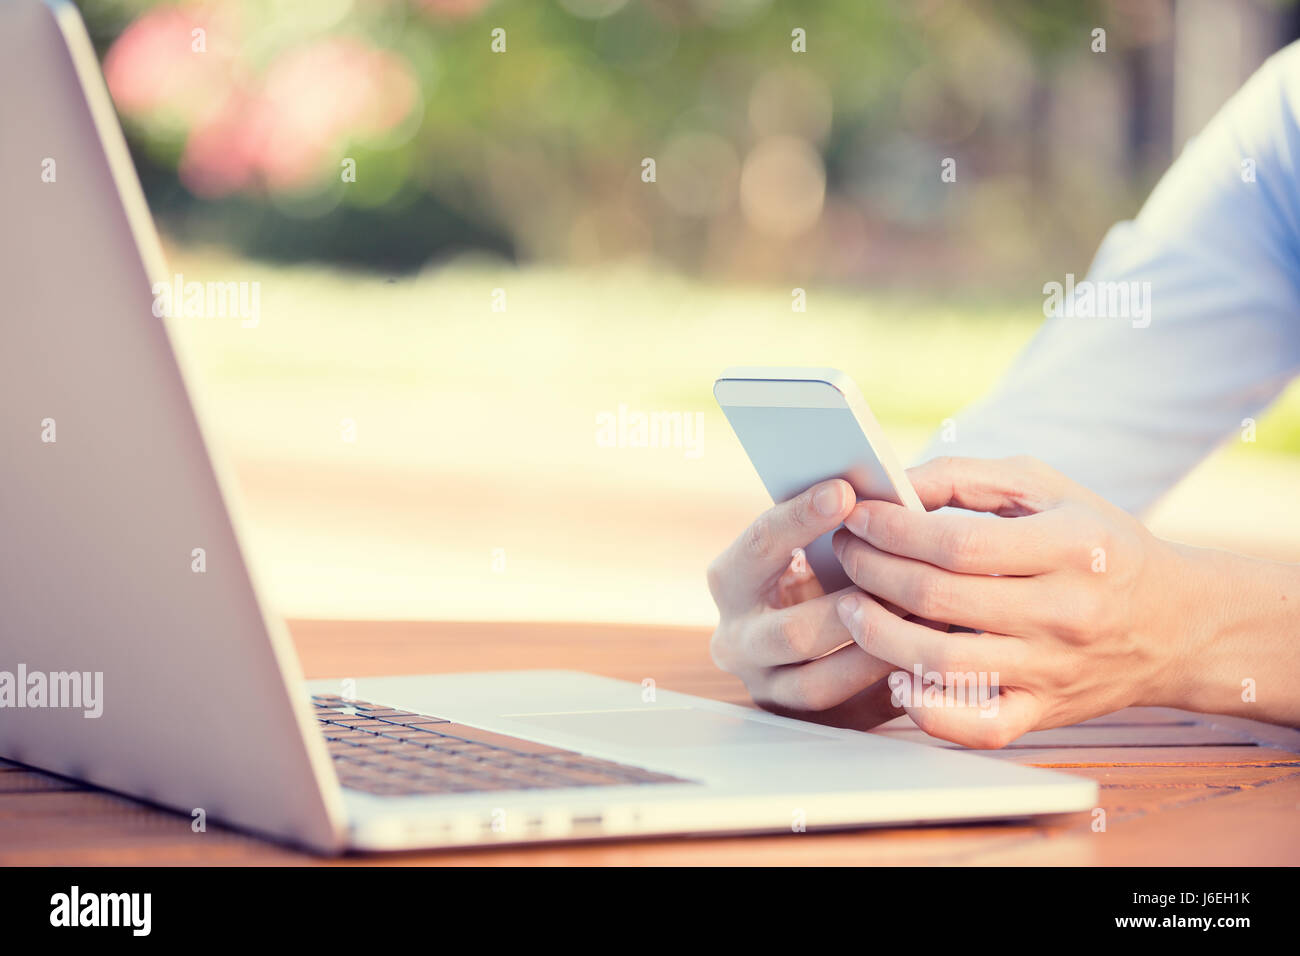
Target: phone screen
<point x="794" y="447"/>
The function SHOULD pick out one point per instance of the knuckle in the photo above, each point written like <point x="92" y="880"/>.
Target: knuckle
<point x="1081" y="614"/>
<point x="853" y="559"/>
<point x="1088" y="614"/>
<point x="945" y="662"/>
<point x="1085" y="543"/>
<point x="821" y="697"/>
<point x="715" y="577"/>
<point x="990" y="735"/>
<point x="757" y="540"/>
<point x="807" y="692"/>
<point x="1092" y="607"/>
<point x="865" y="629"/>
<point x="1061" y="676"/>
<point x="720" y="650"/>
<point x="1072" y="630"/>
<point x="1026" y="463"/>
<point x="886" y="529"/>
<point x="960" y="544"/>
<point x="801" y="513"/>
<point x="1021" y="661"/>
<point x="1084" y="528"/>
<point x="949" y="660"/>
<point x="930" y="597"/>
<point x="794" y="635"/>
<point x="791" y="691"/>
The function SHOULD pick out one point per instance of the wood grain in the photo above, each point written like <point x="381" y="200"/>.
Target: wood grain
<point x="1176" y="788"/>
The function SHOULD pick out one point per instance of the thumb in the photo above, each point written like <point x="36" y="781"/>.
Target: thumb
<point x="1010" y="487"/>
<point x="984" y="724"/>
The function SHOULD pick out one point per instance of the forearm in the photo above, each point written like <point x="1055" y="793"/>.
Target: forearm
<point x="1238" y="652"/>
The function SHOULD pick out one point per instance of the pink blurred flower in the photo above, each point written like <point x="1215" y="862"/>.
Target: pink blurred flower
<point x="309" y="103"/>
<point x="154" y="67"/>
<point x="282" y="129"/>
<point x="452" y="9"/>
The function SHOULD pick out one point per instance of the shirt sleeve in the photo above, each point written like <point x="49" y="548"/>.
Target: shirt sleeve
<point x="1126" y="405"/>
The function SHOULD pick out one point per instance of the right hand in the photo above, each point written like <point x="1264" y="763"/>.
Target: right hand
<point x="778" y="631"/>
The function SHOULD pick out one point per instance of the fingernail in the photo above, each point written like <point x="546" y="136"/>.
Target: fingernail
<point x="827" y="500"/>
<point x="849" y="608"/>
<point x="857" y="522"/>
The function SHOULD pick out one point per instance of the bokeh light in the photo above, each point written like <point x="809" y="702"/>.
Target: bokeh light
<point x="782" y="187"/>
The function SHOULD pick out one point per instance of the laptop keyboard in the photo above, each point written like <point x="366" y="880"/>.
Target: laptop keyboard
<point x="397" y="753"/>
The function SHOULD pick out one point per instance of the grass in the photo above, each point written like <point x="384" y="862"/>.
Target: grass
<point x="592" y="338"/>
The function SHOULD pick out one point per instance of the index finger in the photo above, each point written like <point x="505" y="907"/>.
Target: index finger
<point x="1011" y="487"/>
<point x="971" y="544"/>
<point x="740" y="575"/>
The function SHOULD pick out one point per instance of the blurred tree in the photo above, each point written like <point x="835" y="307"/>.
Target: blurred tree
<point x="767" y="158"/>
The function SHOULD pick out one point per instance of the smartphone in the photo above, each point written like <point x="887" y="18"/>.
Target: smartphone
<point x="800" y="426"/>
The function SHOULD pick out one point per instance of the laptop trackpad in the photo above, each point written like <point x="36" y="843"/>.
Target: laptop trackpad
<point x="665" y="727"/>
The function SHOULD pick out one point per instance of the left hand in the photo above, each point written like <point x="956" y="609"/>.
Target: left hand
<point x="1081" y="610"/>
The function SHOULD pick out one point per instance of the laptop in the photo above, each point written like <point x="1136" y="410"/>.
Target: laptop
<point x="137" y="654"/>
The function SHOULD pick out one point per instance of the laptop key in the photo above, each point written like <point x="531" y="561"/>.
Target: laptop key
<point x="391" y="752"/>
<point x="460" y="747"/>
<point x="420" y="734"/>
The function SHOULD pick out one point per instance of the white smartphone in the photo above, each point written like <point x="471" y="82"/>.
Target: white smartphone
<point x="800" y="426"/>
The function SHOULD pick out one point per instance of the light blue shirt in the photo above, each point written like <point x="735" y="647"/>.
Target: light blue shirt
<point x="1126" y="404"/>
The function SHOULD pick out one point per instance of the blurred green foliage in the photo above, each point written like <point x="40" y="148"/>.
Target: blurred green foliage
<point x="536" y="153"/>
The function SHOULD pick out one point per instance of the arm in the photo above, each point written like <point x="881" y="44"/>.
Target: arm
<point x="1127" y="408"/>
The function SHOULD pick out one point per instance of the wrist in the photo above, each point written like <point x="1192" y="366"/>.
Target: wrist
<point x="1184" y="626"/>
<point x="1232" y="627"/>
<point x="1195" y="617"/>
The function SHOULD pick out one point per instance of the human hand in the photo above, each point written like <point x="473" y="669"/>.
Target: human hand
<point x="778" y="630"/>
<point x="1081" y="609"/>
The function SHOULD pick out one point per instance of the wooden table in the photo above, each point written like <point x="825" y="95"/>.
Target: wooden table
<point x="1177" y="788"/>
